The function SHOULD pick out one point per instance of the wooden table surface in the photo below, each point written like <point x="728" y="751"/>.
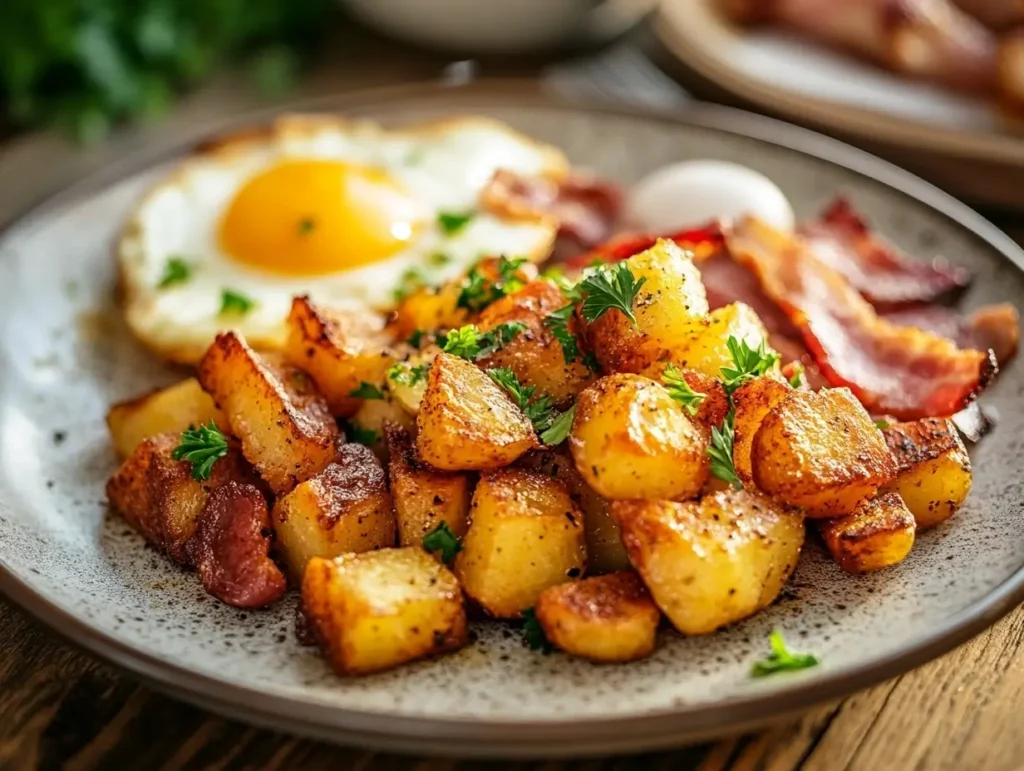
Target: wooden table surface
<point x="62" y="708"/>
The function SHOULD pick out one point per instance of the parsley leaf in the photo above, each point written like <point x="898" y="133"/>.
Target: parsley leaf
<point x="176" y="271"/>
<point x="781" y="659"/>
<point x="748" y="363"/>
<point x="680" y="390"/>
<point x="235" y="303"/>
<point x="407" y="374"/>
<point x="560" y="428"/>
<point x="558" y="323"/>
<point x="469" y="343"/>
<point x="201" y="447"/>
<point x="478" y="291"/>
<point x="590" y="359"/>
<point x="540" y="412"/>
<point x="356" y="433"/>
<point x="452" y="222"/>
<point x="442" y="539"/>
<point x="796" y="380"/>
<point x="610" y="287"/>
<point x="533" y="633"/>
<point x="555" y="275"/>
<point x="367" y="391"/>
<point x="881" y="425"/>
<point x="416" y="338"/>
<point x="720" y="453"/>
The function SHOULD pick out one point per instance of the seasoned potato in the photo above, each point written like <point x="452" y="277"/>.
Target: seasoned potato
<point x="822" y="452"/>
<point x="424" y="496"/>
<point x="605" y="618"/>
<point x="630" y="439"/>
<point x="878" y="534"/>
<point x="934" y="470"/>
<point x="165" y="411"/>
<point x="525" y="534"/>
<point x="284" y="425"/>
<point x="711" y="562"/>
<point x="374" y="414"/>
<point x="467" y="421"/>
<point x="345" y="508"/>
<point x="408" y="379"/>
<point x="536" y="355"/>
<point x="752" y="401"/>
<point x="339" y="351"/>
<point x="376" y="610"/>
<point x="157" y="495"/>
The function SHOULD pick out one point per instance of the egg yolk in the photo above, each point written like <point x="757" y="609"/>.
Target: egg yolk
<point x="310" y="217"/>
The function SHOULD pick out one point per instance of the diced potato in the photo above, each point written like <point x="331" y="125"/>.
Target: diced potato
<point x="428" y="309"/>
<point x="525" y="534"/>
<point x="339" y="351"/>
<point x="752" y="401"/>
<point x="605" y="618"/>
<point x="934" y="475"/>
<point x="374" y="414"/>
<point x="467" y="421"/>
<point x="286" y="429"/>
<point x="157" y="495"/>
<point x="165" y="411"/>
<point x="878" y="534"/>
<point x="424" y="496"/>
<point x="407" y="380"/>
<point x="822" y="452"/>
<point x="345" y="508"/>
<point x="630" y="439"/>
<point x="376" y="610"/>
<point x="711" y="562"/>
<point x="715" y="406"/>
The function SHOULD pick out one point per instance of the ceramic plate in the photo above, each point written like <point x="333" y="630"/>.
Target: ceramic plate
<point x="66" y="356"/>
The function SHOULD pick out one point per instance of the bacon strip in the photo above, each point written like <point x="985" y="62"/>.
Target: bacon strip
<point x="995" y="327"/>
<point x="704" y="242"/>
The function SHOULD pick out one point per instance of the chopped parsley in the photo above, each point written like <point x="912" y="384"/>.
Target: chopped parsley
<point x="232" y="302"/>
<point x="720" y="453"/>
<point x="558" y="323"/>
<point x="407" y="374"/>
<point x="416" y="338"/>
<point x="201" y="447"/>
<point x="781" y="659"/>
<point x="306" y="226"/>
<point x="796" y="380"/>
<point x="533" y="633"/>
<point x="452" y="222"/>
<point x="410" y="281"/>
<point x="367" y="391"/>
<point x="442" y="539"/>
<point x="176" y="271"/>
<point x="439" y="259"/>
<point x="680" y="390"/>
<point x="555" y="275"/>
<point x="748" y="363"/>
<point x="608" y="288"/>
<point x="356" y="433"/>
<point x="881" y="425"/>
<point x="590" y="359"/>
<point x="478" y="291"/>
<point x="560" y="428"/>
<point x="540" y="412"/>
<point x="471" y="344"/>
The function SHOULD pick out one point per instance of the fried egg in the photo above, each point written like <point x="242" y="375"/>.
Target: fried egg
<point x="341" y="211"/>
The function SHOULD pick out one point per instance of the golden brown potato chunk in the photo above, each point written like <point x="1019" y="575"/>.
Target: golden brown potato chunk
<point x="878" y="534"/>
<point x="428" y="309"/>
<point x="822" y="452"/>
<point x="157" y="495"/>
<point x="373" y="416"/>
<point x="605" y="618"/>
<point x="934" y="475"/>
<point x="525" y="534"/>
<point x="752" y="401"/>
<point x="345" y="508"/>
<point x="467" y="421"/>
<point x="379" y="609"/>
<point x="711" y="562"/>
<point x="283" y="422"/>
<point x="630" y="439"/>
<point x="165" y="411"/>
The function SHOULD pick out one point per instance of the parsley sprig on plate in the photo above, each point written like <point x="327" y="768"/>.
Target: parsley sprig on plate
<point x="680" y="390"/>
<point x="533" y="633"/>
<point x="720" y="452"/>
<point x="366" y="391"/>
<point x="201" y="447"/>
<point x="781" y="659"/>
<point x="408" y="374"/>
<point x="552" y="426"/>
<point x="442" y="539"/>
<point x="478" y="291"/>
<point x="470" y="343"/>
<point x="610" y="287"/>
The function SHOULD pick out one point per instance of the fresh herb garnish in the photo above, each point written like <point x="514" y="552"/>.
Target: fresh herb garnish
<point x="306" y="226"/>
<point x="366" y="391"/>
<point x="407" y="374"/>
<point x="590" y="359"/>
<point x="416" y="338"/>
<point x="452" y="222"/>
<point x="558" y="323"/>
<point x="781" y="659"/>
<point x="469" y="343"/>
<point x="533" y="633"/>
<point x="881" y="425"/>
<point x="540" y="412"/>
<point x="232" y="302"/>
<point x="176" y="271"/>
<point x="410" y="281"/>
<point x="748" y="363"/>
<point x="442" y="539"/>
<point x="607" y="288"/>
<point x="439" y="259"/>
<point x="359" y="435"/>
<point x="720" y="452"/>
<point x="201" y="447"/>
<point x="559" y="428"/>
<point x="478" y="291"/>
<point x="680" y="390"/>
<point x="555" y="275"/>
<point x="796" y="380"/>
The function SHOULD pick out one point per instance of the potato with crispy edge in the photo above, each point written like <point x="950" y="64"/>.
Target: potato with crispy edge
<point x="164" y="411"/>
<point x="379" y="609"/>
<point x="424" y="497"/>
<point x="934" y="471"/>
<point x="606" y="618"/>
<point x="878" y="534"/>
<point x="467" y="421"/>
<point x="345" y="508"/>
<point x="752" y="401"/>
<point x="373" y="416"/>
<point x="630" y="439"/>
<point x="711" y="562"/>
<point x="286" y="429"/>
<point x="822" y="452"/>
<point x="525" y="534"/>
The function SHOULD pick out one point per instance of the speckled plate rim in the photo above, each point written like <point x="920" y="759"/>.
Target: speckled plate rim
<point x="513" y="738"/>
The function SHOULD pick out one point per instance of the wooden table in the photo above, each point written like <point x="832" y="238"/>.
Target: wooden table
<point x="61" y="708"/>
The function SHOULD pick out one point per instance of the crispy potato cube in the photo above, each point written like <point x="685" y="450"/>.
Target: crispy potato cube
<point x="630" y="439"/>
<point x="467" y="421"/>
<point x="934" y="475"/>
<point x="157" y="495"/>
<point x="424" y="497"/>
<point x="525" y="534"/>
<point x="373" y="416"/>
<point x="165" y="411"/>
<point x="711" y="562"/>
<point x="428" y="309"/>
<point x="379" y="609"/>
<point x="339" y="351"/>
<point x="752" y="401"/>
<point x="283" y="422"/>
<point x="878" y="534"/>
<point x="345" y="508"/>
<point x="605" y="618"/>
<point x="822" y="452"/>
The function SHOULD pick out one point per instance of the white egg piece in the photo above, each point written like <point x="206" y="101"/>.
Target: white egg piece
<point x="692" y="193"/>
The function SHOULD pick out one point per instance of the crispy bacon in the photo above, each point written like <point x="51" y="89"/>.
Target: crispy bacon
<point x="995" y="327"/>
<point x="900" y="371"/>
<point x="704" y="242"/>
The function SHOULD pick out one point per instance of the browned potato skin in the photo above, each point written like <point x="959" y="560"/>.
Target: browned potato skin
<point x="375" y="414"/>
<point x="424" y="497"/>
<point x="535" y="355"/>
<point x="339" y="351"/>
<point x="164" y="411"/>
<point x="821" y="451"/>
<point x="752" y="401"/>
<point x="286" y="429"/>
<point x="715" y="405"/>
<point x="466" y="421"/>
<point x="630" y="439"/>
<point x="878" y="534"/>
<point x="607" y="619"/>
<point x="525" y="534"/>
<point x="376" y="610"/>
<point x="157" y="495"/>
<point x="711" y="562"/>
